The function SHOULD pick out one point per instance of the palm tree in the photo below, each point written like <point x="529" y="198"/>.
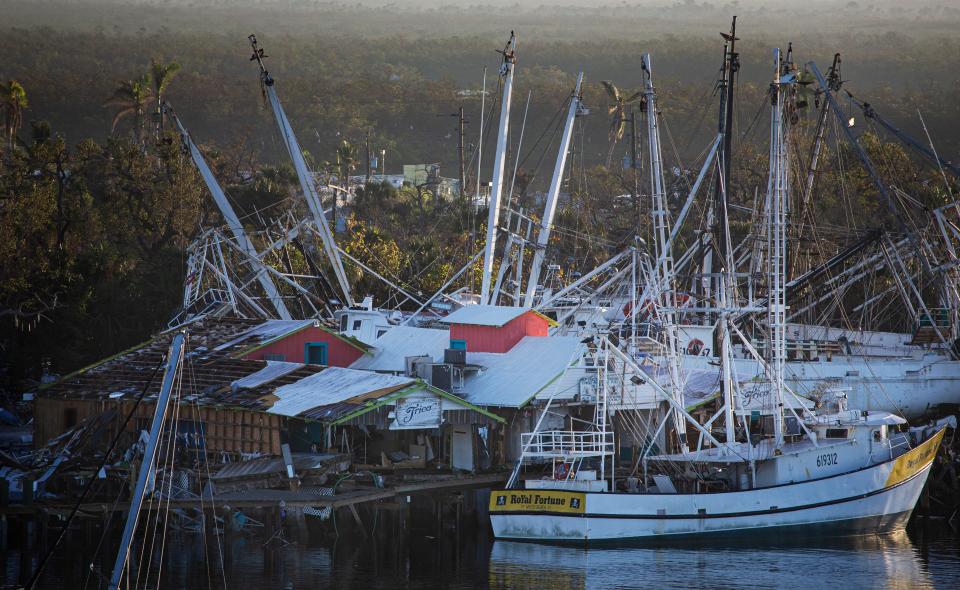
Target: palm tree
<point x="617" y="111"/>
<point x="161" y="75"/>
<point x="131" y="97"/>
<point x="13" y="100"/>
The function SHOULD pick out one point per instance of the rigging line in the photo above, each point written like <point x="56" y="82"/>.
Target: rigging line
<point x="145" y="524"/>
<point x="849" y="324"/>
<point x="706" y="107"/>
<point x="546" y="148"/>
<point x="206" y="464"/>
<point x="169" y="469"/>
<point x="160" y="470"/>
<point x="203" y="529"/>
<point x="516" y="160"/>
<point x="86" y="489"/>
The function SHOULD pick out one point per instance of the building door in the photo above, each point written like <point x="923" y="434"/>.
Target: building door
<point x="461" y="448"/>
<point x="315" y="353"/>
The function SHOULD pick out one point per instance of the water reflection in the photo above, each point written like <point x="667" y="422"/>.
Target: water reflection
<point x="392" y="558"/>
<point x="865" y="562"/>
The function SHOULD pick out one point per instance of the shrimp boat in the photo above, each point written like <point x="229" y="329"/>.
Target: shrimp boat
<point x="780" y="463"/>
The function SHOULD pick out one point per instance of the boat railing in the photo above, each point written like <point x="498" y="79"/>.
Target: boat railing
<point x="895" y="443"/>
<point x="567" y="444"/>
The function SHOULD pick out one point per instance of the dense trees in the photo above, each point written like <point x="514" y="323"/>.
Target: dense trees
<point x="91" y="243"/>
<point x="93" y="223"/>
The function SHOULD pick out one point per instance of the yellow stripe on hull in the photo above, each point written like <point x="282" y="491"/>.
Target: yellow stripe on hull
<point x="914" y="460"/>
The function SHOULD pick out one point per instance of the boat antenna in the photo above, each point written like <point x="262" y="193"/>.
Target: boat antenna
<point x="258" y="56"/>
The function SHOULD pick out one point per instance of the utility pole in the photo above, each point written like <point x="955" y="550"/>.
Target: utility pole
<point x="460" y="150"/>
<point x="461" y="130"/>
<point x="366" y="145"/>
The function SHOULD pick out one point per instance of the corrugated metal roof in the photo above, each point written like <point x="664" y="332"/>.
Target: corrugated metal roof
<point x="331" y="386"/>
<point x="485" y="315"/>
<point x="391" y="349"/>
<point x="273" y="370"/>
<point x="512" y="378"/>
<point x="264" y="465"/>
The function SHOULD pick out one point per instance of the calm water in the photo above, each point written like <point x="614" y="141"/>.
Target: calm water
<point x="924" y="557"/>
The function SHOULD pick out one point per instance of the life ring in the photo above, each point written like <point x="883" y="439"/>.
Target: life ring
<point x="695" y="347"/>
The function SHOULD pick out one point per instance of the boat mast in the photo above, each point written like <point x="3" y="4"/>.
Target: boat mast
<point x="506" y="71"/>
<point x="174" y="356"/>
<point x="307" y="182"/>
<point x="777" y="188"/>
<point x="543" y="237"/>
<point x="230" y="216"/>
<point x="716" y="257"/>
<point x="663" y="272"/>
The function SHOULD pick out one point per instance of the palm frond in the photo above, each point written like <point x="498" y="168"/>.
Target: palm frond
<point x="612" y="91"/>
<point x="120" y="115"/>
<point x="162" y="74"/>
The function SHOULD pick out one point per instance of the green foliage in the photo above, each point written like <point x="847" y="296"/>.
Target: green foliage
<point x="91" y="247"/>
<point x="92" y="232"/>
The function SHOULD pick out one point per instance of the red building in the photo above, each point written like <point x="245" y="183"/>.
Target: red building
<point x="311" y="344"/>
<point x="494" y="328"/>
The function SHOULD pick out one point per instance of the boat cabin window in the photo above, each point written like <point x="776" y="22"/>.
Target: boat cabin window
<point x="837" y="433"/>
<point x="381" y="332"/>
<point x="343" y="323"/>
<point x="356" y="324"/>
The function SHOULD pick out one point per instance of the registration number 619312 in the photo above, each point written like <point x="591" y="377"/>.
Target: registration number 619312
<point x="826" y="459"/>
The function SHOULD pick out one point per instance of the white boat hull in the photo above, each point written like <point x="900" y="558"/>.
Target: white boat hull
<point x="875" y="499"/>
<point x="911" y="388"/>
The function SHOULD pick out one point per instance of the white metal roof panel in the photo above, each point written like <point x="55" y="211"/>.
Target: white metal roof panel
<point x="512" y="378"/>
<point x="331" y="386"/>
<point x="485" y="315"/>
<point x="268" y="330"/>
<point x="273" y="370"/>
<point x="390" y="350"/>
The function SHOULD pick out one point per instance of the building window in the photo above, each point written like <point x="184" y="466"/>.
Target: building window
<point x="275" y="357"/>
<point x="69" y="418"/>
<point x="315" y="353"/>
<point x="458" y="344"/>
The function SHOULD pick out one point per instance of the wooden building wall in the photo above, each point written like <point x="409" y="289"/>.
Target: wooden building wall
<point x="233" y="431"/>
